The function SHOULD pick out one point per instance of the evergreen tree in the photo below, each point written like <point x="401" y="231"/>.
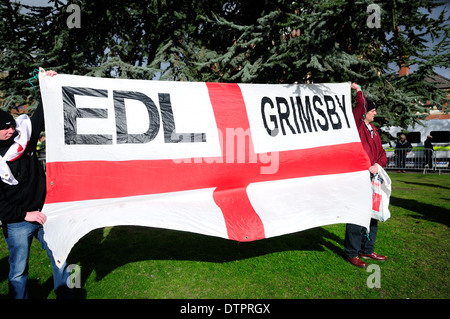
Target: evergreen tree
<point x="250" y="41"/>
<point x="330" y="41"/>
<point x="18" y="51"/>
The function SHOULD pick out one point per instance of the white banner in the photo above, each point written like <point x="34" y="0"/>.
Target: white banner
<point x="238" y="161"/>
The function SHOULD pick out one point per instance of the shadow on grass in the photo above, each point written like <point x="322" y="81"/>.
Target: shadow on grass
<point x="427" y="184"/>
<point x="427" y="211"/>
<point x="126" y="244"/>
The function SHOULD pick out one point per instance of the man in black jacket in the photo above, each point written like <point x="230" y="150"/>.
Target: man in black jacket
<point x="402" y="148"/>
<point x="22" y="196"/>
<point x="429" y="152"/>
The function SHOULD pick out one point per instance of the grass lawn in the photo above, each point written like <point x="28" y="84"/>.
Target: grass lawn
<point x="138" y="262"/>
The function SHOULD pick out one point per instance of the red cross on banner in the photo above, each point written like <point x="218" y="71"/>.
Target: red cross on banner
<point x="100" y="183"/>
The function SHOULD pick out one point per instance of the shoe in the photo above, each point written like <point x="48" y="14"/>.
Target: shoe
<point x="373" y="256"/>
<point x="357" y="262"/>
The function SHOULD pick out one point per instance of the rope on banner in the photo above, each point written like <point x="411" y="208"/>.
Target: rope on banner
<point x="35" y="76"/>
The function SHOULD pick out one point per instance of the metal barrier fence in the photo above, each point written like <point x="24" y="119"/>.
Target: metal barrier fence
<point x="421" y="160"/>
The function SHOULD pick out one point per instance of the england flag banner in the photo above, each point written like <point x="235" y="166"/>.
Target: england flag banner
<point x="238" y="161"/>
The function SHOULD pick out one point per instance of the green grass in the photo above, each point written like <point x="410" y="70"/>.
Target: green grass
<point x="138" y="262"/>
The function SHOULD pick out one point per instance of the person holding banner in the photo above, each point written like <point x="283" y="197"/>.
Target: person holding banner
<point x="360" y="242"/>
<point x="22" y="196"/>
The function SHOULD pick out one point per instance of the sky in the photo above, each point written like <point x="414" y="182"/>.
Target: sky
<point x="441" y="71"/>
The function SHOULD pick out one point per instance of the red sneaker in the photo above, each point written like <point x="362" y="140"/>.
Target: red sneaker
<point x="373" y="256"/>
<point x="357" y="262"/>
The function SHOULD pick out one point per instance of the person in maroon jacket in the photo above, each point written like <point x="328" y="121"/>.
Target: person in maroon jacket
<point x="359" y="243"/>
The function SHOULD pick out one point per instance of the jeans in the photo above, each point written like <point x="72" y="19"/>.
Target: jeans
<point x="356" y="241"/>
<point x="18" y="237"/>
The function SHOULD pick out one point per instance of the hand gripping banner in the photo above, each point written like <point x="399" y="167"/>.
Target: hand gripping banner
<point x="237" y="161"/>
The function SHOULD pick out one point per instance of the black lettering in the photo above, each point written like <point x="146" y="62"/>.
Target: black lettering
<point x="72" y="113"/>
<point x="284" y="116"/>
<point x="342" y="106"/>
<point x="272" y="132"/>
<point x="170" y="132"/>
<point x="295" y="114"/>
<point x="325" y="126"/>
<point x="121" y="121"/>
<point x="308" y="116"/>
<point x="332" y="111"/>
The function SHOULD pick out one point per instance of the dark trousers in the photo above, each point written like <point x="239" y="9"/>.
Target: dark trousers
<point x="429" y="158"/>
<point x="356" y="241"/>
<point x="401" y="160"/>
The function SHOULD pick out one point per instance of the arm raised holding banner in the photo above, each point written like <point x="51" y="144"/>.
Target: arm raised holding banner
<point x="22" y="200"/>
<point x="22" y="196"/>
<point x="364" y="114"/>
<point x="360" y="241"/>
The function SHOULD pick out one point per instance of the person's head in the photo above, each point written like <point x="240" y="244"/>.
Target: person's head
<point x="371" y="111"/>
<point x="403" y="137"/>
<point x="7" y="125"/>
